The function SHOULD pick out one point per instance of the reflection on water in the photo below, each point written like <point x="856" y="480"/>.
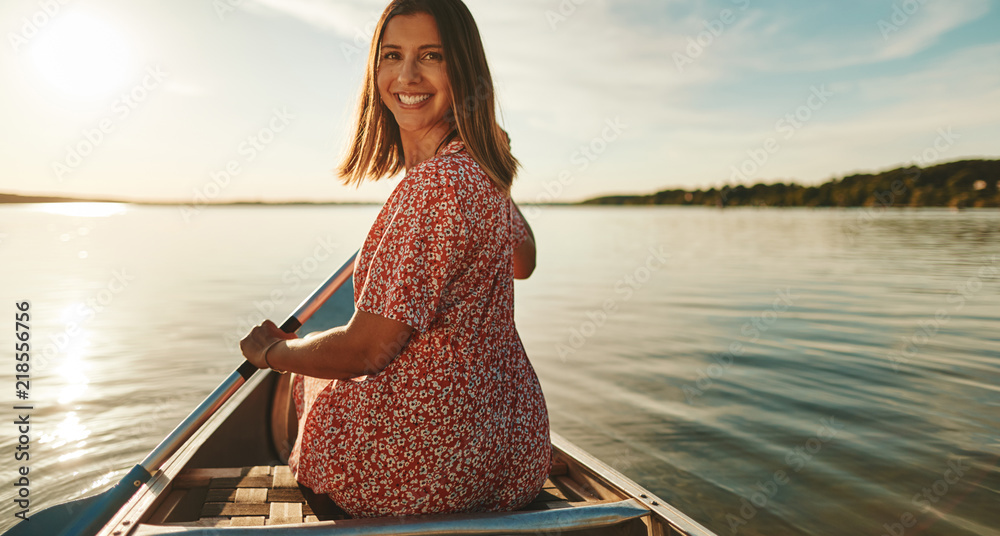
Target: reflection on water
<point x="768" y="371"/>
<point x="68" y="436"/>
<point x="82" y="210"/>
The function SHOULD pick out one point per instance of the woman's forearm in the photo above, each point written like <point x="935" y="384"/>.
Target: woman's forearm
<point x="325" y="355"/>
<point x="524" y="220"/>
<point x="364" y="347"/>
<point x="524" y="254"/>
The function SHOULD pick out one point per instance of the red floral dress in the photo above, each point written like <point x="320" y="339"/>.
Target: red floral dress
<point x="457" y="422"/>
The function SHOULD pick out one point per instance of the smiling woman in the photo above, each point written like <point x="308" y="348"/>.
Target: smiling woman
<point x="82" y="56"/>
<point x="425" y="402"/>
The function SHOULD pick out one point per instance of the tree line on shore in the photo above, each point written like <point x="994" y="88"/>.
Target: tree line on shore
<point x="962" y="184"/>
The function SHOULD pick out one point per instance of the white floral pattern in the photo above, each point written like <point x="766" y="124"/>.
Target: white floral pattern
<point x="457" y="422"/>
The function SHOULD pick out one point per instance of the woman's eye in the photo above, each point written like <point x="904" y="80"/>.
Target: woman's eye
<point x="434" y="56"/>
<point x="390" y="56"/>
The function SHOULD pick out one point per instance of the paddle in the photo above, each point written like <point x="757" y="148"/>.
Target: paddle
<point x="87" y="516"/>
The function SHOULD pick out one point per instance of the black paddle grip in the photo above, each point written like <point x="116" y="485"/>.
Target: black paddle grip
<point x="291" y="325"/>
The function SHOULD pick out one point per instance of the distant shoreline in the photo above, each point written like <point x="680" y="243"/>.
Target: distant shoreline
<point x="962" y="184"/>
<point x="14" y="199"/>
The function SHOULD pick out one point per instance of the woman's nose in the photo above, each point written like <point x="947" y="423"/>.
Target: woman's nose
<point x="409" y="72"/>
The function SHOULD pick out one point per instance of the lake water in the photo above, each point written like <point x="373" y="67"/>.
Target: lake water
<point x="765" y="371"/>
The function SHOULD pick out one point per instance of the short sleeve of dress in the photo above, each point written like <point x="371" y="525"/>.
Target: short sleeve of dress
<point x="519" y="233"/>
<point x="417" y="256"/>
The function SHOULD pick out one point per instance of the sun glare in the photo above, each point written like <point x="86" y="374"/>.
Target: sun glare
<point x="82" y="56"/>
<point x="84" y="210"/>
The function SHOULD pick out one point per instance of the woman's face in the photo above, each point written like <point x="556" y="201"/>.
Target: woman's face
<point x="412" y="75"/>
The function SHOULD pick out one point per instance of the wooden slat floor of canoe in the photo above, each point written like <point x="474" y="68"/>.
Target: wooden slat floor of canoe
<point x="269" y="495"/>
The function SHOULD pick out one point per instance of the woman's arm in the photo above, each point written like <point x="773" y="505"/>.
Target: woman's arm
<point x="524" y="254"/>
<point x="365" y="346"/>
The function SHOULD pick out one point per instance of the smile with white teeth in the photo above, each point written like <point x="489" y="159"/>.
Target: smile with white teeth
<point x="413" y="99"/>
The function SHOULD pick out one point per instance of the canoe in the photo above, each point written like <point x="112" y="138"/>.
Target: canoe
<point x="226" y="476"/>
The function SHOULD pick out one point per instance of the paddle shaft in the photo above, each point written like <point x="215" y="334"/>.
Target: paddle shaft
<point x="230" y="385"/>
<point x="99" y="512"/>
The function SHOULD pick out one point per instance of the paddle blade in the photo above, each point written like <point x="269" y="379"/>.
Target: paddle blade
<point x="53" y="519"/>
<point x="83" y="517"/>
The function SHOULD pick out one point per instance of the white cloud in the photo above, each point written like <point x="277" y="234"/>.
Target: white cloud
<point x="347" y="18"/>
<point x="904" y="36"/>
<point x="881" y="122"/>
<point x="776" y="42"/>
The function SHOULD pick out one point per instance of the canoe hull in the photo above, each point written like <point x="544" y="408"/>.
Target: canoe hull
<point x="238" y="437"/>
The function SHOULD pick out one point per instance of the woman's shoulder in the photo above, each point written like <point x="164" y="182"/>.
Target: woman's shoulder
<point x="453" y="179"/>
<point x="453" y="169"/>
<point x="435" y="172"/>
<point x="457" y="166"/>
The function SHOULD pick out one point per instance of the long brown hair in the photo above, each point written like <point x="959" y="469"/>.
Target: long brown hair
<point x="376" y="150"/>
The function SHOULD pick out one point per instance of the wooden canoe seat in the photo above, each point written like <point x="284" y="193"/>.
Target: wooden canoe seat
<point x="269" y="495"/>
<point x="245" y="497"/>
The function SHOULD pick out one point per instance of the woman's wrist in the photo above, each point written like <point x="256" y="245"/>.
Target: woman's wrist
<point x="268" y="359"/>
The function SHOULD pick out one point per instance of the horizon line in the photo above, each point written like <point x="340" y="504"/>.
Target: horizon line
<point x="50" y="198"/>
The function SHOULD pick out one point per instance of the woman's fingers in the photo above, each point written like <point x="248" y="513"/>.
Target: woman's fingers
<point x="274" y="331"/>
<point x="250" y="347"/>
<point x="260" y="337"/>
<point x="254" y="343"/>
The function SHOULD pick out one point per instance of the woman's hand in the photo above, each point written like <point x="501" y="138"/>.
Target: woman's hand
<point x="524" y="254"/>
<point x="261" y="338"/>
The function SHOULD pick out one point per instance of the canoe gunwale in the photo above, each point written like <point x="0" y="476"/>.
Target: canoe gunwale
<point x="604" y="474"/>
<point x="595" y="516"/>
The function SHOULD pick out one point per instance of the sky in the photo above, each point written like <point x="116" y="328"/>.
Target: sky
<point x="197" y="101"/>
